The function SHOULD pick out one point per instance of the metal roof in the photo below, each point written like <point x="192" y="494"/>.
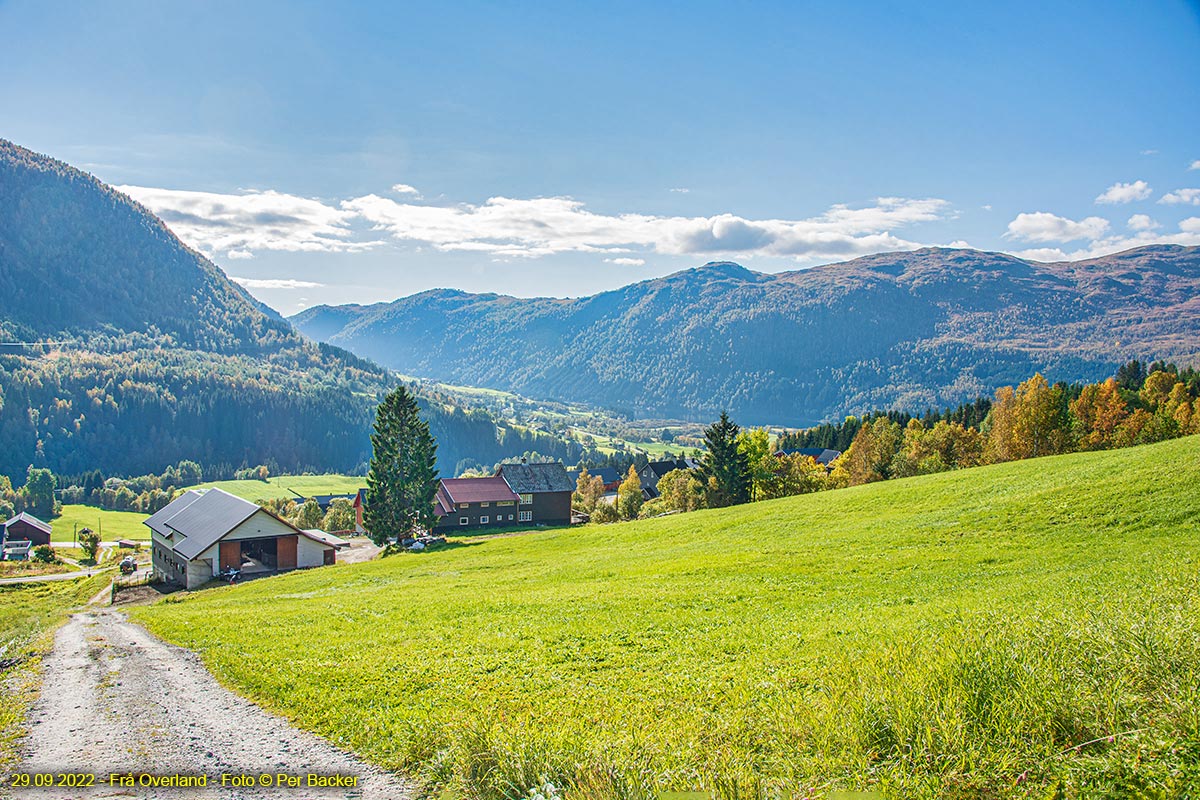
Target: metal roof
<point x="478" y="490"/>
<point x="29" y="519"/>
<point x="156" y="520"/>
<point x="325" y="538"/>
<point x="534" y="478"/>
<point x="206" y="519"/>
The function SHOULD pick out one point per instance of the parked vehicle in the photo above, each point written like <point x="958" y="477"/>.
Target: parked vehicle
<point x="128" y="565"/>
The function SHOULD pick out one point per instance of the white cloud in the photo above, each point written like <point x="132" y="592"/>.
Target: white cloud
<point x="1151" y="152"/>
<point x="1195" y="164"/>
<point x="1188" y="235"/>
<point x="1142" y="222"/>
<point x="505" y="226"/>
<point x="404" y="188"/>
<point x="626" y="262"/>
<point x="1125" y="192"/>
<point x="1042" y="226"/>
<point x="681" y="190"/>
<point x="239" y="224"/>
<point x="987" y="207"/>
<point x="275" y="283"/>
<point x="1182" y="197"/>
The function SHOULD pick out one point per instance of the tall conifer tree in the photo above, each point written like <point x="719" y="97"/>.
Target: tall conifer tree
<point x="725" y="469"/>
<point x="402" y="481"/>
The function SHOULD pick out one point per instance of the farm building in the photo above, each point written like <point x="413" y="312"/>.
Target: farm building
<point x="544" y="489"/>
<point x="201" y="534"/>
<point x="518" y="494"/>
<point x="822" y="455"/>
<point x="27" y="528"/>
<point x="475" y="503"/>
<point x="653" y="472"/>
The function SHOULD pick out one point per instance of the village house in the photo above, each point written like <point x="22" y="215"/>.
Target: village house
<point x="475" y="503"/>
<point x="653" y="472"/>
<point x="25" y="527"/>
<point x="609" y="475"/>
<point x="545" y="491"/>
<point x="201" y="534"/>
<point x="822" y="455"/>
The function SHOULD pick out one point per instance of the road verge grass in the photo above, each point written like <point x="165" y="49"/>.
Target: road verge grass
<point x="29" y="615"/>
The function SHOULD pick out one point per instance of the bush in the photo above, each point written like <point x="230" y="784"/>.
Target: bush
<point x="44" y="553"/>
<point x="604" y="512"/>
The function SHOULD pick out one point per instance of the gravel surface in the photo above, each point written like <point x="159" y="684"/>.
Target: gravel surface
<point x="115" y="699"/>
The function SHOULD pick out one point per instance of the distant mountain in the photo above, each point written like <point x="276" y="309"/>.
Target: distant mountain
<point x="911" y="330"/>
<point x="159" y="357"/>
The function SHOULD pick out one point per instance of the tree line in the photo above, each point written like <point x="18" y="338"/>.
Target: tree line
<point x="1141" y="404"/>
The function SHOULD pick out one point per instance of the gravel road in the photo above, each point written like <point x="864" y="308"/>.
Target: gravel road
<point x="117" y="700"/>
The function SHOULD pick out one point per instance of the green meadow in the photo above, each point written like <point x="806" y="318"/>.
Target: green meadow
<point x="112" y="525"/>
<point x="278" y="486"/>
<point x="1026" y="630"/>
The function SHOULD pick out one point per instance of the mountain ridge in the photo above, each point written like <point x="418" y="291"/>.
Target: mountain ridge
<point x="929" y="327"/>
<point x="164" y="358"/>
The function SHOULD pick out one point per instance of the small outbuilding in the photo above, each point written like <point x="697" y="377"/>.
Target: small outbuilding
<point x="201" y="534"/>
<point x="27" y="527"/>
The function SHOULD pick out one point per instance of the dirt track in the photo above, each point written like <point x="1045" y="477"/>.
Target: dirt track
<point x="116" y="700"/>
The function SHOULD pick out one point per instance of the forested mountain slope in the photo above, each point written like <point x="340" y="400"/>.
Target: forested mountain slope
<point x="156" y="356"/>
<point x="928" y="328"/>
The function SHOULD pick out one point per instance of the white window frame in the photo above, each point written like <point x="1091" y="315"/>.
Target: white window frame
<point x="525" y="516"/>
<point x="464" y="520"/>
<point x="483" y="505"/>
<point x="485" y="519"/>
<point x="527" y="499"/>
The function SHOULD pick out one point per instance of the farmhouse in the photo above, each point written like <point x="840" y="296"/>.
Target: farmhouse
<point x="545" y="491"/>
<point x="28" y="528"/>
<point x="610" y="475"/>
<point x="475" y="503"/>
<point x="653" y="472"/>
<point x="200" y="534"/>
<point x="822" y="455"/>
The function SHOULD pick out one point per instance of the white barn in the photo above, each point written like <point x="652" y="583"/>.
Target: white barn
<point x="200" y="534"/>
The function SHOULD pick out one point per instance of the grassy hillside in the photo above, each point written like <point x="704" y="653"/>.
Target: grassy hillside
<point x="1008" y="631"/>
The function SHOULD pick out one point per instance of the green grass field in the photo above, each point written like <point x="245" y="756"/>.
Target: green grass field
<point x="306" y="485"/>
<point x="112" y="525"/>
<point x="29" y="613"/>
<point x="1026" y="630"/>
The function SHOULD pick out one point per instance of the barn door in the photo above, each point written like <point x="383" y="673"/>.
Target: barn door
<point x="231" y="555"/>
<point x="285" y="552"/>
<point x="330" y="557"/>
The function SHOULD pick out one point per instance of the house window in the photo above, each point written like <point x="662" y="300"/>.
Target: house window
<point x="461" y="506"/>
<point x="483" y="505"/>
<point x="463" y="520"/>
<point x="510" y="517"/>
<point x="527" y="499"/>
<point x="526" y="516"/>
<point x="484" y="520"/>
<point x="505" y="503"/>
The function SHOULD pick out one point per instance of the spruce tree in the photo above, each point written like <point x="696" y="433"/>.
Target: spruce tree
<point x="725" y="469"/>
<point x="402" y="481"/>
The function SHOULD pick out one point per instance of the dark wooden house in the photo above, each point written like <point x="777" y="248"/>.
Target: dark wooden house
<point x="466" y="503"/>
<point x="27" y="528"/>
<point x="544" y="489"/>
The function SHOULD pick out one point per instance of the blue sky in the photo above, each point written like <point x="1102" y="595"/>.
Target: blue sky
<point x="360" y="152"/>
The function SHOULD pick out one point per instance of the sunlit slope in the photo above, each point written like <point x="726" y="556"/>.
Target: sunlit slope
<point x="952" y="634"/>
